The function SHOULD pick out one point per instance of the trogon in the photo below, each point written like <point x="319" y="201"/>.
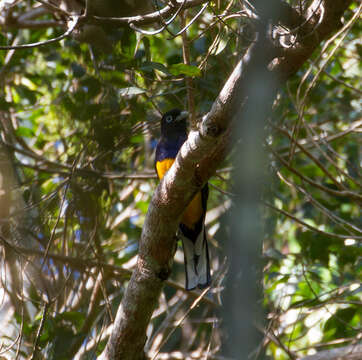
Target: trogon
<point x="192" y="226"/>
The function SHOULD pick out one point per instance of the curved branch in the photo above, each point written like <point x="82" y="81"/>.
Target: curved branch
<point x="72" y="24"/>
<point x="350" y="352"/>
<point x="195" y="163"/>
<point x="166" y="23"/>
<point x="148" y="18"/>
<point x="328" y="17"/>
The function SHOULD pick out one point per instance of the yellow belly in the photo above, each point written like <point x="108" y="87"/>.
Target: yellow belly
<point x="194" y="209"/>
<point x="193" y="212"/>
<point x="163" y="166"/>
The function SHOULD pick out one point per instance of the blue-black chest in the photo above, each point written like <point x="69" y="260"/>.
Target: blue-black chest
<point x="168" y="148"/>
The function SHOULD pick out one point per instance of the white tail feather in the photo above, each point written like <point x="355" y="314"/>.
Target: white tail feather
<point x="196" y="257"/>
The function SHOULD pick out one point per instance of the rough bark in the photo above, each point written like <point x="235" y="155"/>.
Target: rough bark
<point x="192" y="168"/>
<point x="351" y="352"/>
<point x="312" y="33"/>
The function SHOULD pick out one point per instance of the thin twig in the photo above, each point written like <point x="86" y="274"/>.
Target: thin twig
<point x="40" y="329"/>
<point x="52" y="235"/>
<point x="312" y="133"/>
<point x="186" y="26"/>
<point x="312" y="157"/>
<point x="188" y="79"/>
<point x="148" y="18"/>
<point x="54" y="8"/>
<point x="348" y="86"/>
<point x="180" y="321"/>
<point x="314" y="183"/>
<point x="311" y="141"/>
<point x="323" y="209"/>
<point x="82" y="264"/>
<point x="301" y="100"/>
<point x="72" y="25"/>
<point x="165" y="25"/>
<point x="310" y="227"/>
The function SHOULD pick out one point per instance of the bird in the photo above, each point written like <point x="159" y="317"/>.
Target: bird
<point x="191" y="229"/>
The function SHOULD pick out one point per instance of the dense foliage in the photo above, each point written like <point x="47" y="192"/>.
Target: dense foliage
<point x="79" y="123"/>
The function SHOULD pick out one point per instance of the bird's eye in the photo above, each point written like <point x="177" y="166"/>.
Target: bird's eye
<point x="168" y="118"/>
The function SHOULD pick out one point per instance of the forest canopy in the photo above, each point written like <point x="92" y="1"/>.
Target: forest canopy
<point x="83" y="85"/>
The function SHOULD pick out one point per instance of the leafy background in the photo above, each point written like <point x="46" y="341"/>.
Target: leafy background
<point x="79" y="125"/>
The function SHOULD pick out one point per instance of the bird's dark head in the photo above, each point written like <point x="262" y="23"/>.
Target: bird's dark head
<point x="174" y="123"/>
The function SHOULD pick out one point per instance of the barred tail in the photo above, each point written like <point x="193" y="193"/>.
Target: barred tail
<point x="197" y="263"/>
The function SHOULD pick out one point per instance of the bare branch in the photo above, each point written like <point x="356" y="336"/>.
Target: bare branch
<point x="174" y="193"/>
<point x="72" y="25"/>
<point x="186" y="26"/>
<point x="350" y="352"/>
<point x="80" y="264"/>
<point x="314" y="229"/>
<point x="293" y="58"/>
<point x="148" y="18"/>
<point x="327" y="190"/>
<point x="188" y="79"/>
<point x="39" y="331"/>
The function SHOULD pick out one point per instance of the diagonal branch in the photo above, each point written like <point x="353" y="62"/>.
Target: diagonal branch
<point x="148" y="18"/>
<point x="158" y="241"/>
<point x="195" y="163"/>
<point x="350" y="352"/>
<point x="328" y="17"/>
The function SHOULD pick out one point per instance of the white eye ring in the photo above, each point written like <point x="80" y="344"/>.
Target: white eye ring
<point x="169" y="118"/>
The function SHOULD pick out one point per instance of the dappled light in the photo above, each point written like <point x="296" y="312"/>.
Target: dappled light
<point x="91" y="263"/>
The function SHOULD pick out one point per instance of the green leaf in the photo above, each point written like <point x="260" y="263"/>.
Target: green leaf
<point x="337" y="325"/>
<point x="150" y="66"/>
<point x="74" y="317"/>
<point x="183" y="69"/>
<point x="25" y="93"/>
<point x="143" y="206"/>
<point x="136" y="139"/>
<point x="24" y="131"/>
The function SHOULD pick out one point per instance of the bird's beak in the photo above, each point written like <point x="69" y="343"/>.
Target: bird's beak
<point x="183" y="115"/>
